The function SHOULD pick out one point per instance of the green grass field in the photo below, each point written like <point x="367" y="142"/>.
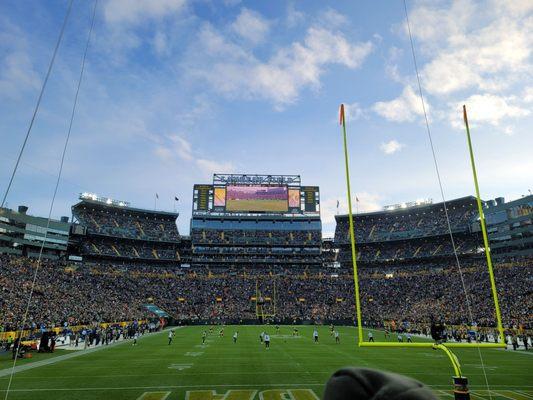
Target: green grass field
<point x="257" y="205"/>
<point x="294" y="367"/>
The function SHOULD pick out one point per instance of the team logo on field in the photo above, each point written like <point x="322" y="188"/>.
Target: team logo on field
<point x="239" y="394"/>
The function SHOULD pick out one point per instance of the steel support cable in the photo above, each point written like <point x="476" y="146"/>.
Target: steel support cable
<point x="437" y="171"/>
<point x="37" y="105"/>
<point x="71" y="121"/>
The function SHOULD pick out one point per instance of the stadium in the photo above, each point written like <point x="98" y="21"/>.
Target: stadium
<point x="253" y="287"/>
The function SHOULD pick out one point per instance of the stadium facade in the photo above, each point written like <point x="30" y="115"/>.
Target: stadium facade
<point x="24" y="235"/>
<point x="256" y="221"/>
<point x="411" y="234"/>
<point x="269" y="221"/>
<point x="509" y="227"/>
<point x="106" y="229"/>
<point x="256" y="252"/>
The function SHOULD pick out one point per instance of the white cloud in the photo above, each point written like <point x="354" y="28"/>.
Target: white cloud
<point x="164" y="153"/>
<point x="215" y="46"/>
<point x="487" y="108"/>
<point x="126" y="22"/>
<point x="202" y="109"/>
<point x="332" y="17"/>
<point x="172" y="148"/>
<point x="391" y="147"/>
<point x="294" y="16"/>
<point x="472" y="45"/>
<point x="16" y="67"/>
<point x="161" y="44"/>
<point x="527" y="96"/>
<point x="231" y="3"/>
<point x="137" y="11"/>
<point x="210" y="167"/>
<point x="404" y="108"/>
<point x="467" y="49"/>
<point x="182" y="147"/>
<point x="353" y="111"/>
<point x="251" y="26"/>
<point x="432" y="22"/>
<point x="237" y="73"/>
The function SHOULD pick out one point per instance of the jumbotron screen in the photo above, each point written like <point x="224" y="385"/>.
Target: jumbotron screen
<point x="257" y="198"/>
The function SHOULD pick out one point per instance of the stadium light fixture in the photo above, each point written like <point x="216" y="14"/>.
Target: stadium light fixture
<point x="106" y="200"/>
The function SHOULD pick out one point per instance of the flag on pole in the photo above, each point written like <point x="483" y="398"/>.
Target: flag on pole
<point x="176" y="199"/>
<point x="156" y="196"/>
<point x="357" y="199"/>
<point x="341" y="115"/>
<point x="337" y="203"/>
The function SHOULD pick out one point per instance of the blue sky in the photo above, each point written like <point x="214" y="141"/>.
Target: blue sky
<point x="176" y="90"/>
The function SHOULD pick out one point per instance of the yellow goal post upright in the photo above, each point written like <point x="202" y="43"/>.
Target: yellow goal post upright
<point x="441" y="346"/>
<point x="259" y="308"/>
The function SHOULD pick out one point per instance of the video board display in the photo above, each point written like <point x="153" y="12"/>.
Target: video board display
<point x="310" y="196"/>
<point x="201" y="197"/>
<point x="257" y="198"/>
<point x="294" y="198"/>
<point x="261" y="194"/>
<point x="220" y="197"/>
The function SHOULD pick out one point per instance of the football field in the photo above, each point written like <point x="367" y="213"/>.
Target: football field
<point x="293" y="368"/>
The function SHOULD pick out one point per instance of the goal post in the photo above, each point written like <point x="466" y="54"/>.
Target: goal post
<point x="262" y="300"/>
<point x="360" y="341"/>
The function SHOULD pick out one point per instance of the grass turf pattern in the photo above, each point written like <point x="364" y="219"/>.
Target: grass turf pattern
<point x="294" y="368"/>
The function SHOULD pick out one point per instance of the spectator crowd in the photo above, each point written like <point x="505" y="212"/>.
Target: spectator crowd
<point x="408" y="223"/>
<point x="127" y="223"/>
<point x="85" y="293"/>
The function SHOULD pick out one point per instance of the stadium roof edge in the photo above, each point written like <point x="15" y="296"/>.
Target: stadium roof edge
<point x="34" y="219"/>
<point x="404" y="210"/>
<point x="130" y="209"/>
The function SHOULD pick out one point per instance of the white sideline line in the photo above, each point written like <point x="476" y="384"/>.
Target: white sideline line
<point x="475" y="395"/>
<point x="526" y="353"/>
<point x="53" y="360"/>
<point x="163" y="387"/>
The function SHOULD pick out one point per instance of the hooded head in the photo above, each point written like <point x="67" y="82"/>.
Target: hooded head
<point x="367" y="384"/>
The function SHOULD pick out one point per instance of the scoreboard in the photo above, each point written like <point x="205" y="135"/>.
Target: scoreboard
<point x="260" y="194"/>
<point x="203" y="197"/>
<point x="310" y="198"/>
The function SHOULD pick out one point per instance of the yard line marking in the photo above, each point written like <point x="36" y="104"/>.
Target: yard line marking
<point x="194" y="353"/>
<point x="513" y="395"/>
<point x="205" y="386"/>
<point x="503" y="395"/>
<point x="154" y="396"/>
<point x="179" y="367"/>
<point x="524" y="394"/>
<point x="444" y="392"/>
